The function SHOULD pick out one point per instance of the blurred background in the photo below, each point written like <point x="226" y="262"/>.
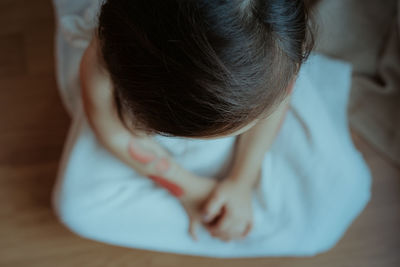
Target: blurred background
<point x="34" y="125"/>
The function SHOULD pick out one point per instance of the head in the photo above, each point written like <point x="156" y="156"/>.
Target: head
<point x="201" y="68"/>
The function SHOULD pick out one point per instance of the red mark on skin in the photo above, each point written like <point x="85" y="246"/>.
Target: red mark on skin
<point x="139" y="154"/>
<point x="174" y="189"/>
<point x="162" y="165"/>
<point x="247" y="230"/>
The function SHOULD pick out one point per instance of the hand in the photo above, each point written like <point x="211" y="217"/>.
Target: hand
<point x="228" y="213"/>
<point x="194" y="200"/>
<point x="153" y="161"/>
<point x="193" y="190"/>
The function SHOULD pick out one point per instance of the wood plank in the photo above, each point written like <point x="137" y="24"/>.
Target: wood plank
<point x="12" y="56"/>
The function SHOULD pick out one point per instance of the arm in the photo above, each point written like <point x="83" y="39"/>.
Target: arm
<point x="141" y="152"/>
<point x="253" y="144"/>
<point x="228" y="211"/>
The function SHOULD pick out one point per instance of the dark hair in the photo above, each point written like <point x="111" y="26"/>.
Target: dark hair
<point x="199" y="68"/>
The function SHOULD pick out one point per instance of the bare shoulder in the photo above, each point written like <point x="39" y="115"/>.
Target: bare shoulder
<point x="97" y="94"/>
<point x="96" y="86"/>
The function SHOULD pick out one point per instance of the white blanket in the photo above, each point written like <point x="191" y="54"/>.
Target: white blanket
<point x="314" y="182"/>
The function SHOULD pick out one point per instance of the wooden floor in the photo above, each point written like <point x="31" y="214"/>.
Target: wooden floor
<point x="33" y="128"/>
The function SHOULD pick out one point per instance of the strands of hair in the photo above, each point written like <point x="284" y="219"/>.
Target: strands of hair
<point x="200" y="68"/>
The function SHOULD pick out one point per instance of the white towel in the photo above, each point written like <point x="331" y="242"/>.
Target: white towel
<point x="314" y="182"/>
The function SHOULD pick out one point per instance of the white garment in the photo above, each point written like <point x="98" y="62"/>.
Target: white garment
<point x="314" y="182"/>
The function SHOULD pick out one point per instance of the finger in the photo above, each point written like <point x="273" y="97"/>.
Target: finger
<point x="224" y="223"/>
<point x="193" y="224"/>
<point x="223" y="228"/>
<point x="225" y="238"/>
<point x="238" y="230"/>
<point x="212" y="208"/>
<point x="231" y="230"/>
<point x="228" y="227"/>
<point x="217" y="220"/>
<point x="220" y="235"/>
<point x="247" y="230"/>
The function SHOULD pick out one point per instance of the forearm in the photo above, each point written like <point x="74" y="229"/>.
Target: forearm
<point x="253" y="144"/>
<point x="159" y="165"/>
<point x="141" y="153"/>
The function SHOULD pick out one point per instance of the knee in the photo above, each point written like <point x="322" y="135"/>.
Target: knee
<point x="71" y="213"/>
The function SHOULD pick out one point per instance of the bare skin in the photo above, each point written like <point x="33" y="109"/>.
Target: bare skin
<point x="223" y="208"/>
<point x="233" y="196"/>
<point x="138" y="151"/>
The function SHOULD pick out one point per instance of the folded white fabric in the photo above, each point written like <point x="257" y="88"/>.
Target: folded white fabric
<point x="314" y="182"/>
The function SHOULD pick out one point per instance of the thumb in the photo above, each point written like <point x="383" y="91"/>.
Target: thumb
<point x="212" y="208"/>
<point x="193" y="224"/>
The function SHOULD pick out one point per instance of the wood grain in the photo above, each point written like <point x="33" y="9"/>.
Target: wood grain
<point x="32" y="131"/>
